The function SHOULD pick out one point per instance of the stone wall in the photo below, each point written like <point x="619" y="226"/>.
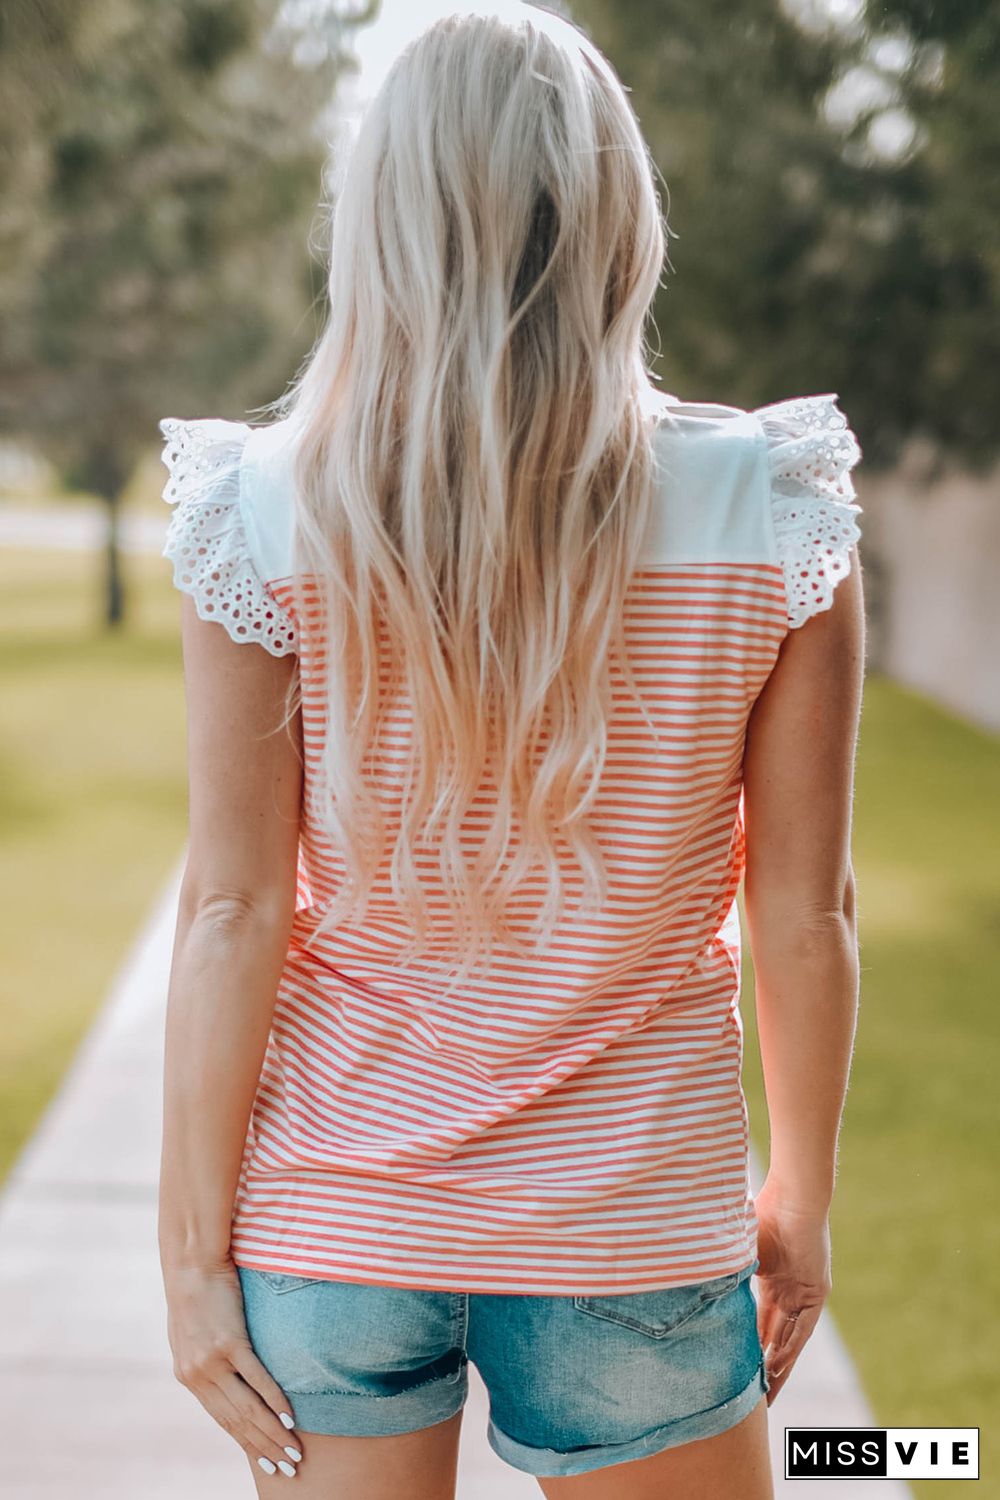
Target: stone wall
<point x="930" y="550"/>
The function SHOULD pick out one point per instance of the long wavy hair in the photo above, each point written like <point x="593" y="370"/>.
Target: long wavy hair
<point x="472" y="466"/>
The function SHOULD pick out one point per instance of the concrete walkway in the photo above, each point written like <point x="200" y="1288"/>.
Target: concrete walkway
<point x="88" y="1403"/>
<point x="79" y="526"/>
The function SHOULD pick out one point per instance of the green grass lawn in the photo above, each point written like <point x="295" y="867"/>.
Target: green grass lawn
<point x="92" y="803"/>
<point x="916" y="1222"/>
<point x="92" y="816"/>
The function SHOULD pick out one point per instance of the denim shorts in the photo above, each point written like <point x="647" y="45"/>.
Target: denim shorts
<point x="575" y="1382"/>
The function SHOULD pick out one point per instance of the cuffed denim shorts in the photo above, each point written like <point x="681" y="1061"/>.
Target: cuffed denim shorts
<point x="575" y="1382"/>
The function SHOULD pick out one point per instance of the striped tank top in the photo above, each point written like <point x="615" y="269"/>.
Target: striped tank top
<point x="574" y="1123"/>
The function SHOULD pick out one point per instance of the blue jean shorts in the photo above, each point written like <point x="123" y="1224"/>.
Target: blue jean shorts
<point x="575" y="1382"/>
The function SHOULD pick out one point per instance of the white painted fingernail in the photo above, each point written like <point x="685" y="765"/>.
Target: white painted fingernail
<point x="284" y="1417"/>
<point x="294" y="1455"/>
<point x="286" y="1468"/>
<point x="267" y="1465"/>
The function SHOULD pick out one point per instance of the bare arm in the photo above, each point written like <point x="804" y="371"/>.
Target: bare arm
<point x="236" y="908"/>
<point x="800" y="906"/>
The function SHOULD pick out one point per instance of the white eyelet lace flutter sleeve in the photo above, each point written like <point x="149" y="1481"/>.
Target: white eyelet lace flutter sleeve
<point x="811" y="451"/>
<point x="206" y="538"/>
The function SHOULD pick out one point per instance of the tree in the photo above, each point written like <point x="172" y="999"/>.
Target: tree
<point x="160" y="168"/>
<point x="817" y="248"/>
<point x="944" y="61"/>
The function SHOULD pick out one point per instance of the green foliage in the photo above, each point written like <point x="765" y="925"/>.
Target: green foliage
<point x="808" y="257"/>
<point x="948" y="205"/>
<point x="163" y="166"/>
<point x="160" y="169"/>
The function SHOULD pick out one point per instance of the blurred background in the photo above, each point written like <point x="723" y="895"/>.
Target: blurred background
<point x="833" y="170"/>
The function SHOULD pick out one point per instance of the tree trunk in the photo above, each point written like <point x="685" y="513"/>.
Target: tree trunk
<point x="114" y="594"/>
<point x="104" y="471"/>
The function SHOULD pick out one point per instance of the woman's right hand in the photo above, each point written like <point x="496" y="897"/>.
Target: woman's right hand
<point x="795" y="1277"/>
<point x="214" y="1359"/>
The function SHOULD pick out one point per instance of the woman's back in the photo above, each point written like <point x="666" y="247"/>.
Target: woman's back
<point x="570" y="1121"/>
<point x="454" y="1006"/>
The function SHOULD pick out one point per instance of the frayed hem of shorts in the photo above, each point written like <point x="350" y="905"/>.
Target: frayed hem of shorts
<point x="356" y="1414"/>
<point x="548" y="1463"/>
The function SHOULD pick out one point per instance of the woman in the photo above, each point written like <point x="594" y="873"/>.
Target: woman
<point x="523" y="665"/>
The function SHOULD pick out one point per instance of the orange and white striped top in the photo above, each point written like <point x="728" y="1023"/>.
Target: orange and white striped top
<point x="576" y="1123"/>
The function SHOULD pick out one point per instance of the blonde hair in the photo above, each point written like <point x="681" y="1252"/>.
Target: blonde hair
<point x="473" y="464"/>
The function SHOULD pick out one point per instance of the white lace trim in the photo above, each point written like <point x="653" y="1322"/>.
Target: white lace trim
<point x="811" y="451"/>
<point x="206" y="539"/>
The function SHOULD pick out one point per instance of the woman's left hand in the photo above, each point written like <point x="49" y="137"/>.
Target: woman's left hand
<point x="213" y="1357"/>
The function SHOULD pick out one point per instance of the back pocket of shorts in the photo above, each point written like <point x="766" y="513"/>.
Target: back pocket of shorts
<point x="661" y="1312"/>
<point x="282" y="1281"/>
